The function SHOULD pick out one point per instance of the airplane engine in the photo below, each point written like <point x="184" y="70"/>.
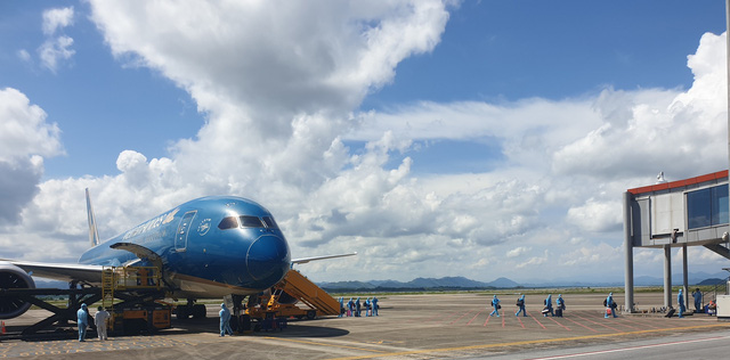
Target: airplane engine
<point x="13" y="277"/>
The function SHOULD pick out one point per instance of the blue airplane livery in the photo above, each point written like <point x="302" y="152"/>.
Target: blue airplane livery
<point x="209" y="247"/>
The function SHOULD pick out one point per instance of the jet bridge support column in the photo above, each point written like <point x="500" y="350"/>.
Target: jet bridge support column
<point x="685" y="282"/>
<point x="667" y="276"/>
<point x="629" y="247"/>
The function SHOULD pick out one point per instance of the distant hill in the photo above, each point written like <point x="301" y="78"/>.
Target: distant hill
<point x="458" y="282"/>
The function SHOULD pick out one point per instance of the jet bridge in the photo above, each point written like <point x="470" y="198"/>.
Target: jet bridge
<point x="677" y="214"/>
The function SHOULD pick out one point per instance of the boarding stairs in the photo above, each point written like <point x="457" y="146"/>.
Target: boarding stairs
<point x="307" y="292"/>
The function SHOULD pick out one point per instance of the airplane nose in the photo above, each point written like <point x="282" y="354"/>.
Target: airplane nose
<point x="268" y="259"/>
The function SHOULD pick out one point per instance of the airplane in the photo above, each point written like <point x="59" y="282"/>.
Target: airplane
<point x="211" y="247"/>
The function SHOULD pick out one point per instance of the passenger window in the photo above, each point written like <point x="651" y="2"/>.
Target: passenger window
<point x="270" y="223"/>
<point x="228" y="223"/>
<point x="251" y="222"/>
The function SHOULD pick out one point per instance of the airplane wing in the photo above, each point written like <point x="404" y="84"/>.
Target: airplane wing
<point x="63" y="272"/>
<point x="315" y="258"/>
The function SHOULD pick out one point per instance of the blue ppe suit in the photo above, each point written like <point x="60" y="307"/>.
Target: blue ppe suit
<point x="680" y="302"/>
<point x="350" y="307"/>
<point x="368" y="307"/>
<point x="82" y="320"/>
<point x="375" y="306"/>
<point x="357" y="307"/>
<point x="549" y="305"/>
<point x="611" y="305"/>
<point x="521" y="304"/>
<point x="495" y="304"/>
<point x="225" y="325"/>
<point x="342" y="307"/>
<point x="560" y="303"/>
<point x="698" y="300"/>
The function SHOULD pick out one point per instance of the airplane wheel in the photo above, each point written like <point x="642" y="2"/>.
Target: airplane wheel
<point x="182" y="313"/>
<point x="199" y="311"/>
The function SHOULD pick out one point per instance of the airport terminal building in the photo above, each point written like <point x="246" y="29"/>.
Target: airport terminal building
<point x="690" y="212"/>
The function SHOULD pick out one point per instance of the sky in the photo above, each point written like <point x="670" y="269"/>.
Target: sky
<point x="482" y="139"/>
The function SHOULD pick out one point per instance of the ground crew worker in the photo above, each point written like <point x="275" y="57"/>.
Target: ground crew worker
<point x="495" y="305"/>
<point x="357" y="307"/>
<point x="102" y="316"/>
<point x="680" y="302"/>
<point x="375" y="306"/>
<point x="697" y="294"/>
<point x="350" y="307"/>
<point x="561" y="304"/>
<point x="610" y="304"/>
<point x="342" y="306"/>
<point x="548" y="306"/>
<point x="368" y="310"/>
<point x="225" y="324"/>
<point x="82" y="320"/>
<point x="521" y="305"/>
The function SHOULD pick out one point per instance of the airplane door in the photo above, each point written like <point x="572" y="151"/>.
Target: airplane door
<point x="181" y="238"/>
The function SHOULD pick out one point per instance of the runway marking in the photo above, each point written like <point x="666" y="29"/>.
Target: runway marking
<point x="538" y="322"/>
<point x="460" y="317"/>
<point x="323" y="344"/>
<point x="520" y="320"/>
<point x="475" y="316"/>
<point x="579" y="324"/>
<point x="641" y="347"/>
<point x="597" y="323"/>
<point x="555" y="321"/>
<point x="636" y="322"/>
<point x="528" y="342"/>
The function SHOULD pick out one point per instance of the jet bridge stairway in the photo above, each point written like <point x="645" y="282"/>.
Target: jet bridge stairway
<point x="295" y="286"/>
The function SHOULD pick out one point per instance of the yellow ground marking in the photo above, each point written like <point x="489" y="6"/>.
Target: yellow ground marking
<point x="324" y="344"/>
<point x="528" y="342"/>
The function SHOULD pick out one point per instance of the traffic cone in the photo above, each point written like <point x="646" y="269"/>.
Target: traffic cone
<point x="3" y="330"/>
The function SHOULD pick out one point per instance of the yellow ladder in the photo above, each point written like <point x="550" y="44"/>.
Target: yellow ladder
<point x="107" y="287"/>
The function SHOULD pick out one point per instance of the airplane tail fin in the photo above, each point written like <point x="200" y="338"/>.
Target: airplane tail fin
<point x="93" y="233"/>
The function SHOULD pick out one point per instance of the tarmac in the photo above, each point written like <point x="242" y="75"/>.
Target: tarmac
<point x="423" y="326"/>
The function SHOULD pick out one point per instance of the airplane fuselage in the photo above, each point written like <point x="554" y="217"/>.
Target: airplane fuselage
<point x="210" y="247"/>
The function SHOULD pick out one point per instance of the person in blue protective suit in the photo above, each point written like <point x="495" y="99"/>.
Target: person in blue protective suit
<point x="350" y="307"/>
<point x="342" y="306"/>
<point x="82" y="320"/>
<point x="697" y="294"/>
<point x="495" y="305"/>
<point x="357" y="307"/>
<point x="225" y="325"/>
<point x="521" y="306"/>
<point x="560" y="304"/>
<point x="610" y="304"/>
<point x="548" y="306"/>
<point x="680" y="302"/>
<point x="375" y="306"/>
<point x="368" y="307"/>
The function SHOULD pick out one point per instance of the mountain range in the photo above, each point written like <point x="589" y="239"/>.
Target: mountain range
<point x="460" y="282"/>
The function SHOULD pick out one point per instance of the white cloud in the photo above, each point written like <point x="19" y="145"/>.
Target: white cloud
<point x="280" y="85"/>
<point x="55" y="19"/>
<point x="23" y="55"/>
<point x="52" y="51"/>
<point x="25" y="137"/>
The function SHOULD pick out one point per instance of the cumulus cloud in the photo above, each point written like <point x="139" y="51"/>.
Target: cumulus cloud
<point x="56" y="19"/>
<point x="279" y="87"/>
<point x="25" y="138"/>
<point x="56" y="49"/>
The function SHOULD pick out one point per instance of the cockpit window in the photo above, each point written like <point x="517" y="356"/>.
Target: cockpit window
<point x="270" y="223"/>
<point x="251" y="222"/>
<point x="228" y="223"/>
